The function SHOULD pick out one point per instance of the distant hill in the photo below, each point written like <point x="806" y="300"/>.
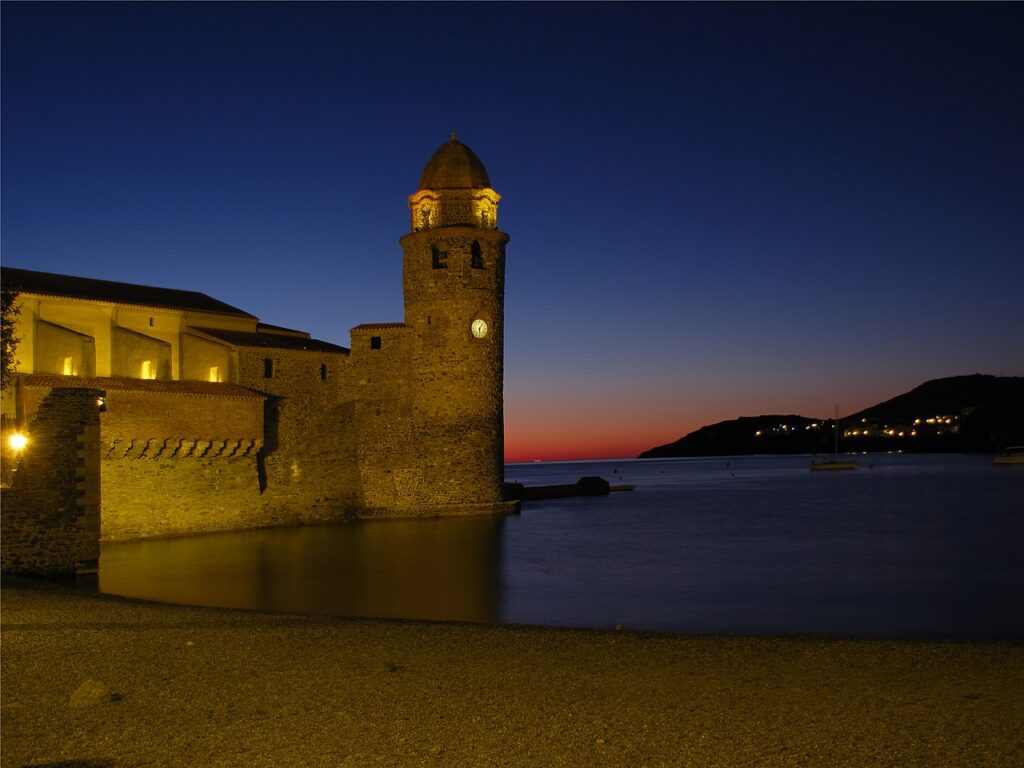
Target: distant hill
<point x="959" y="413"/>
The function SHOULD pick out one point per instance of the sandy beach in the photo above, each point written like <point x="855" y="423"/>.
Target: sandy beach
<point x="94" y="681"/>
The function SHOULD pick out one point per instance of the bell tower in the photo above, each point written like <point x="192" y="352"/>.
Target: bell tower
<point x="454" y="286"/>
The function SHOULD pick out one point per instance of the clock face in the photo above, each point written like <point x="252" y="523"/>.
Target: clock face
<point x="479" y="328"/>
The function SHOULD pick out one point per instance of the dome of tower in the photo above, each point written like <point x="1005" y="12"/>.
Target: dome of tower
<point x="454" y="166"/>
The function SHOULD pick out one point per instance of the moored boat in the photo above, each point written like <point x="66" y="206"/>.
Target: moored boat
<point x="1012" y="455"/>
<point x="833" y="463"/>
<point x="827" y="464"/>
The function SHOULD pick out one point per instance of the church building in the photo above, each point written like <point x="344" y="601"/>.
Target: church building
<point x="213" y="420"/>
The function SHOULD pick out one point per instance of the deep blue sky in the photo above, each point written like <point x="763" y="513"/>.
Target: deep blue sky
<point x="716" y="209"/>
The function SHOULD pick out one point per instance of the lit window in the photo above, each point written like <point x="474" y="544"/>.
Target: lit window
<point x="214" y="373"/>
<point x="69" y="366"/>
<point x="148" y="372"/>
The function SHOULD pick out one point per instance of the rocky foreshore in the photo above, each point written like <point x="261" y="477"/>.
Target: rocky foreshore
<point x="99" y="682"/>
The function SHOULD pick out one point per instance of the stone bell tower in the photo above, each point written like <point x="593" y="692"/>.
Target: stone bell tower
<point x="454" y="287"/>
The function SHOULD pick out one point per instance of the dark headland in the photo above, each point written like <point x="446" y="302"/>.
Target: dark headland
<point x="976" y="413"/>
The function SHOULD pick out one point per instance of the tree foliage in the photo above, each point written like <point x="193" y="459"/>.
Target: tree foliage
<point x="8" y="324"/>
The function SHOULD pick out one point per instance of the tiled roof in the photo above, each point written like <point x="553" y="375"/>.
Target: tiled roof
<point x="67" y="286"/>
<point x="204" y="388"/>
<point x="268" y="328"/>
<point x="272" y="341"/>
<point x="379" y="326"/>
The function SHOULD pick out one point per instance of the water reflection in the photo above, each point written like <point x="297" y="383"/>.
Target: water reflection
<point x="424" y="569"/>
<point x="906" y="546"/>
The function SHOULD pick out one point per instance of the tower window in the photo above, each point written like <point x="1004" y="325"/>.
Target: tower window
<point x="440" y="258"/>
<point x="268" y="368"/>
<point x="151" y="322"/>
<point x="323" y="371"/>
<point x="477" y="256"/>
<point x="375" y="342"/>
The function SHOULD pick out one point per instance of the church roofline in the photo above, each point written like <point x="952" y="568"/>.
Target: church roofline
<point x="29" y="281"/>
<point x="379" y="326"/>
<point x="280" y="330"/>
<point x="271" y="341"/>
<point x="119" y="383"/>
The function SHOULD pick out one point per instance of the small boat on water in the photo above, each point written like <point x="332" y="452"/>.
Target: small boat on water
<point x="833" y="462"/>
<point x="818" y="465"/>
<point x="1012" y="455"/>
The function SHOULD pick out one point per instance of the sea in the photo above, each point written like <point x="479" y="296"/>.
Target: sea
<point x="904" y="546"/>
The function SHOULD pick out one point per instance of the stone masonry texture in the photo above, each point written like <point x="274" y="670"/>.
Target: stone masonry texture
<point x="50" y="514"/>
<point x="408" y="422"/>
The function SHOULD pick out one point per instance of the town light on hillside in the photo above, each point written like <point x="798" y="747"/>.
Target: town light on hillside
<point x="17" y="441"/>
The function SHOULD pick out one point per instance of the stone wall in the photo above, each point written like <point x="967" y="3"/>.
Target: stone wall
<point x="177" y="457"/>
<point x="182" y="487"/>
<point x="185" y="459"/>
<point x="185" y="411"/>
<point x="317" y="479"/>
<point x="51" y="513"/>
<point x="188" y="457"/>
<point x="302" y="386"/>
<point x="381" y="392"/>
<point x="457" y="393"/>
<point x="409" y="423"/>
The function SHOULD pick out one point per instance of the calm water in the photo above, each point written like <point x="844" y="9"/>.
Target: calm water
<point x="905" y="546"/>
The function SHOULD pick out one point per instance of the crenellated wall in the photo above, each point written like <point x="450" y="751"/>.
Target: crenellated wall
<point x="175" y="457"/>
<point x="181" y="458"/>
<point x="184" y="458"/>
<point x="176" y="487"/>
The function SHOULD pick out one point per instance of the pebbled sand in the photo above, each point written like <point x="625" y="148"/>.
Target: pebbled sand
<point x="208" y="687"/>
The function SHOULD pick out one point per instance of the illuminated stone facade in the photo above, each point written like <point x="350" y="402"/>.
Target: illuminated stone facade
<point x="51" y="516"/>
<point x="433" y="437"/>
<point x="215" y="421"/>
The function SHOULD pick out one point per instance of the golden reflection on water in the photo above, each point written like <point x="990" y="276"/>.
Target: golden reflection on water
<point x="444" y="568"/>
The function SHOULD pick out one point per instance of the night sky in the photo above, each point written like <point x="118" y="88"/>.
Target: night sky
<point x="715" y="209"/>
